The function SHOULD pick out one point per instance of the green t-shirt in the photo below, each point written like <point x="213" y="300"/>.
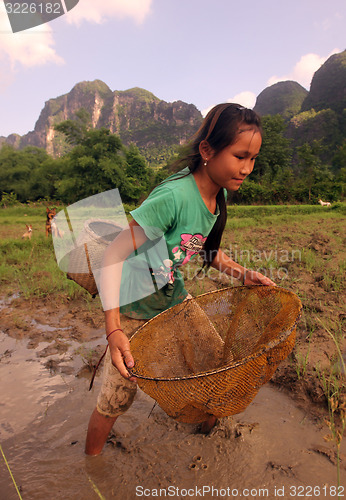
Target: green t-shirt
<point x="177" y="222"/>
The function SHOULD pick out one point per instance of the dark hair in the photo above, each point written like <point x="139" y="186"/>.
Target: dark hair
<point x="220" y="129"/>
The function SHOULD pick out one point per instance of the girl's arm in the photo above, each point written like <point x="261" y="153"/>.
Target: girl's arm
<point x="110" y="279"/>
<point x="226" y="265"/>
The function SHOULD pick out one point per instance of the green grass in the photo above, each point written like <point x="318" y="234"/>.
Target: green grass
<point x="17" y="212"/>
<point x="311" y="261"/>
<point x="21" y="213"/>
<point x="259" y="211"/>
<point x="29" y="266"/>
<point x="240" y="217"/>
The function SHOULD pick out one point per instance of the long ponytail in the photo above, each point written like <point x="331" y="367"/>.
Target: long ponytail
<point x="220" y="129"/>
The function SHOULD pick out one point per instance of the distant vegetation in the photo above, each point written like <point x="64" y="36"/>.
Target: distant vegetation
<point x="98" y="161"/>
<point x="313" y="160"/>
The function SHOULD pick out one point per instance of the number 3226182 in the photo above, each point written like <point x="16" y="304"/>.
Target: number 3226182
<point x="317" y="491"/>
<point x="33" y="8"/>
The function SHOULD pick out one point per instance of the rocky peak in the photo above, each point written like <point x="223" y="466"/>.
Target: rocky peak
<point x="136" y="115"/>
<point x="284" y="98"/>
<point x="328" y="89"/>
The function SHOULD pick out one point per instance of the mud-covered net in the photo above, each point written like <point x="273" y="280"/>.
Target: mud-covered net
<point x="211" y="354"/>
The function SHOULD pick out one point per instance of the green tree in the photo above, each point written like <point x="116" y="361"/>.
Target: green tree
<point x="43" y="179"/>
<point x="275" y="155"/>
<point x="75" y="130"/>
<point x="17" y="167"/>
<point x="250" y="192"/>
<point x="339" y="159"/>
<point x="138" y="175"/>
<point x="310" y="165"/>
<point x="96" y="164"/>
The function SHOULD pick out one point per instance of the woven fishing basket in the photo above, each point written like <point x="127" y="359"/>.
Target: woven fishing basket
<point x="97" y="234"/>
<point x="211" y="354"/>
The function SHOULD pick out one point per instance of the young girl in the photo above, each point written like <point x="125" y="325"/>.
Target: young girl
<point x="187" y="210"/>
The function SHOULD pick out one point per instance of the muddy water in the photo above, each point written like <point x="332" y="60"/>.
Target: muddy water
<point x="271" y="450"/>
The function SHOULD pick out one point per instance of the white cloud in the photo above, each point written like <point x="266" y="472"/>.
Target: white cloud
<point x="34" y="47"/>
<point x="246" y="98"/>
<point x="99" y="11"/>
<point x="304" y="70"/>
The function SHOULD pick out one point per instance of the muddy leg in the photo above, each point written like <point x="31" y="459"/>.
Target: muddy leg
<point x="98" y="431"/>
<point x="207" y="425"/>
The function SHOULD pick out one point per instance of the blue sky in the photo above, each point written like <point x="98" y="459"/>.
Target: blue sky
<point x="201" y="52"/>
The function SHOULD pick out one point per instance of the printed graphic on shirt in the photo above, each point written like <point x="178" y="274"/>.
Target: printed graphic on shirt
<point x="191" y="244"/>
<point x="165" y="272"/>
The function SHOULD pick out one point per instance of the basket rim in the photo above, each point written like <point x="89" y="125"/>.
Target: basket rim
<point x="260" y="352"/>
<point x="96" y="237"/>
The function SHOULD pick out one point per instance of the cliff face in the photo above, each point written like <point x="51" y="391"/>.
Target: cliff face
<point x="322" y="114"/>
<point x="317" y="115"/>
<point x="328" y="91"/>
<point x="156" y="126"/>
<point x="328" y="86"/>
<point x="136" y="115"/>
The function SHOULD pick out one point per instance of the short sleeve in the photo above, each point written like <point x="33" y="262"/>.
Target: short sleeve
<point x="156" y="215"/>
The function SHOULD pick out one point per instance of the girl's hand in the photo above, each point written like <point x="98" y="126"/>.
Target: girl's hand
<point x="226" y="265"/>
<point x="255" y="278"/>
<point x="119" y="347"/>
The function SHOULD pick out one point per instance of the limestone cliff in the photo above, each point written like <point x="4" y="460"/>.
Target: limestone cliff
<point x="136" y="115"/>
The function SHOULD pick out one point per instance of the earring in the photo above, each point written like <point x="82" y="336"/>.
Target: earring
<point x="205" y="162"/>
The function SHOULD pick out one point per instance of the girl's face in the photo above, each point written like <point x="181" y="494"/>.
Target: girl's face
<point x="234" y="163"/>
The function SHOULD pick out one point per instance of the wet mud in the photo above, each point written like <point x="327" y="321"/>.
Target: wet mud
<point x="276" y="446"/>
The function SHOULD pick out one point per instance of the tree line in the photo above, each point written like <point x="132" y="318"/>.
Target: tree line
<point x="98" y="161"/>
